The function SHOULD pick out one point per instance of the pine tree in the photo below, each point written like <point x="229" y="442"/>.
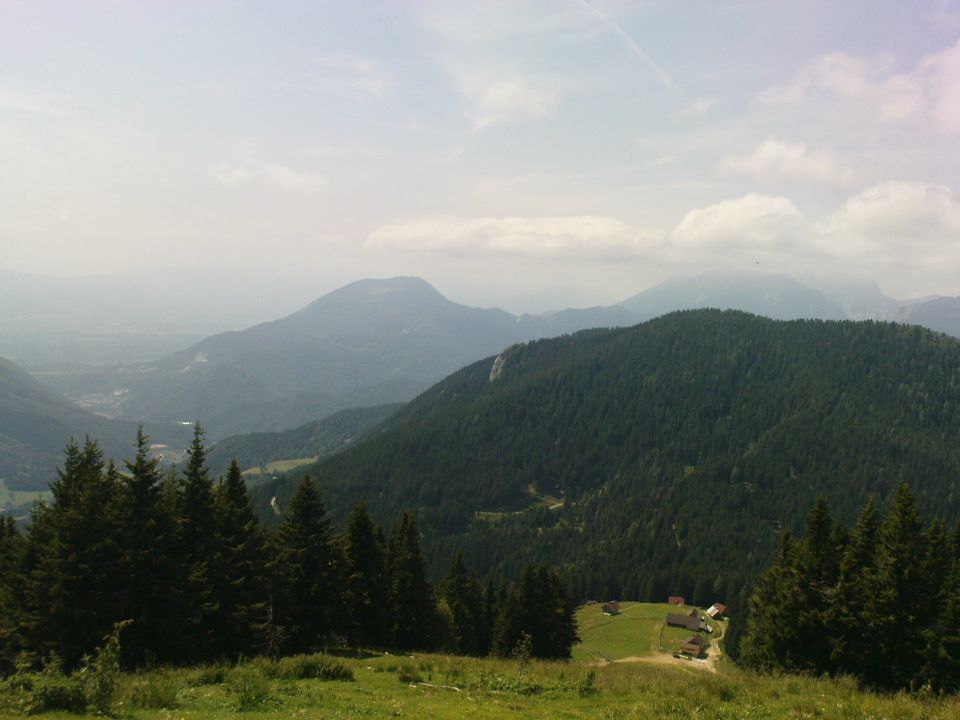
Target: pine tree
<point x="366" y="585"/>
<point x="306" y="571"/>
<point x="239" y="580"/>
<point x="198" y="550"/>
<point x="411" y="597"/>
<point x="898" y="603"/>
<point x="944" y="646"/>
<point x="850" y="621"/>
<point x="148" y="565"/>
<point x="768" y="636"/>
<point x="12" y="641"/>
<point x="73" y="591"/>
<point x="464" y="597"/>
<point x="539" y="606"/>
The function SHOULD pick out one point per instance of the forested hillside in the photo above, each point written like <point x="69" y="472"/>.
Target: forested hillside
<point x="663" y="458"/>
<point x="319" y="438"/>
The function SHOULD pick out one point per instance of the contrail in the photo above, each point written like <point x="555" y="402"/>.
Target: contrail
<point x="664" y="78"/>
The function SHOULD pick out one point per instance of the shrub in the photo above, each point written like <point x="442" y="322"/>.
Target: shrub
<point x="154" y="692"/>
<point x="101" y="673"/>
<point x="409" y="674"/>
<point x="251" y="687"/>
<point x="48" y="692"/>
<point x="210" y="675"/>
<point x="312" y="667"/>
<point x="588" y="685"/>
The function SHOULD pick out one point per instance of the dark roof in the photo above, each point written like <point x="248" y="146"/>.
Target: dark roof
<point x="695" y="640"/>
<point x="687" y="621"/>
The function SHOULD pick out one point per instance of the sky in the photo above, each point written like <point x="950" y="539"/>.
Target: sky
<point x="530" y="155"/>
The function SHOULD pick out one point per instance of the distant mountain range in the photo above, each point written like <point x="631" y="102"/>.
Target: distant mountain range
<point x="662" y="455"/>
<point x="375" y="342"/>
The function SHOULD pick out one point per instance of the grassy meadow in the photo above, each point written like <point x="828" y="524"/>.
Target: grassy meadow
<point x="377" y="685"/>
<point x="278" y="466"/>
<point x="437" y="686"/>
<point x="639" y="631"/>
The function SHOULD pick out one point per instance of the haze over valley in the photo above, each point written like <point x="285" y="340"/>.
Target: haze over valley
<point x="522" y="358"/>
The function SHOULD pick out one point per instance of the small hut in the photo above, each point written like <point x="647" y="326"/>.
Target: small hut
<point x="611" y="608"/>
<point x="693" y="646"/>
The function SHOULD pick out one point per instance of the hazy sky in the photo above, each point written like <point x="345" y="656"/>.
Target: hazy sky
<point x="511" y="153"/>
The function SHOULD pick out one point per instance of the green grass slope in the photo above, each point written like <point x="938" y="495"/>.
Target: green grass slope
<point x="443" y="687"/>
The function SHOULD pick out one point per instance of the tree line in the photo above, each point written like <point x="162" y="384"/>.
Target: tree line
<point x="879" y="601"/>
<point x="186" y="559"/>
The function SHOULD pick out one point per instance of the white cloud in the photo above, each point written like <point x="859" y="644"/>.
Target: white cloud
<point x="900" y="221"/>
<point x="700" y="105"/>
<point x="346" y="75"/>
<point x="277" y="177"/>
<point x="940" y="73"/>
<point x="776" y="159"/>
<point x="495" y="98"/>
<point x="752" y="221"/>
<point x="577" y="236"/>
<point x="928" y="92"/>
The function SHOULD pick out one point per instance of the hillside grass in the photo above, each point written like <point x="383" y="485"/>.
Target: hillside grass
<point x="279" y="466"/>
<point x="638" y="631"/>
<point x="439" y="686"/>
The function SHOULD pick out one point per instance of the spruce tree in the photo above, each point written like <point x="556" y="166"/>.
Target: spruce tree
<point x="944" y="646"/>
<point x="851" y="623"/>
<point x="305" y="568"/>
<point x="464" y="597"/>
<point x="239" y="582"/>
<point x="12" y="641"/>
<point x="366" y="585"/>
<point x="152" y="578"/>
<point x="899" y="604"/>
<point x="768" y="636"/>
<point x="198" y="549"/>
<point x="73" y="591"/>
<point x="539" y="606"/>
<point x="411" y="596"/>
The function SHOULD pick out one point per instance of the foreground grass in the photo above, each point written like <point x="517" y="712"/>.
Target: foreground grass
<point x="438" y="686"/>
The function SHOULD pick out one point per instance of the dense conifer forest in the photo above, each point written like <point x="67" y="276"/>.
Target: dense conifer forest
<point x="664" y="458"/>
<point x="181" y="566"/>
<point x="879" y="601"/>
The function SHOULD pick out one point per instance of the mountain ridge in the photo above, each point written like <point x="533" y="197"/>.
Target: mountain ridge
<point x="647" y="457"/>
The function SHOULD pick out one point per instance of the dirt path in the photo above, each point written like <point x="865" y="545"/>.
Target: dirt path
<point x="709" y="664"/>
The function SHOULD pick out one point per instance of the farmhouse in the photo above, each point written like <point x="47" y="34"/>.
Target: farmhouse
<point x="694" y="645"/>
<point x="691" y="622"/>
<point x="717" y="610"/>
<point x="676" y="600"/>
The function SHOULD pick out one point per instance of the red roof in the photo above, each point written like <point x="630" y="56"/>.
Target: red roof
<point x="676" y="600"/>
